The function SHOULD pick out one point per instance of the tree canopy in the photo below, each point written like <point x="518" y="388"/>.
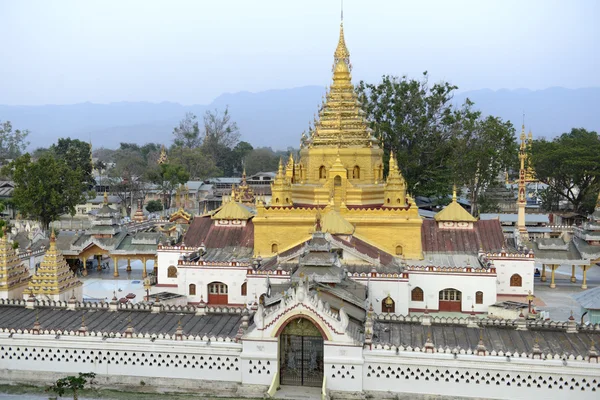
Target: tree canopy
<point x="12" y="143"/>
<point x="47" y="188"/>
<point x="168" y="177"/>
<point x="436" y="143"/>
<point x="570" y="166"/>
<point x="73" y="384"/>
<point x="77" y="155"/>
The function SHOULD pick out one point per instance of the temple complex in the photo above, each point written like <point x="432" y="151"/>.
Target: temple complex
<point x="340" y="168"/>
<point x="108" y="237"/>
<point x="53" y="279"/>
<point x="14" y="274"/>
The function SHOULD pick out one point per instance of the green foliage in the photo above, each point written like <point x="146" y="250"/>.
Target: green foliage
<point x="72" y="384"/>
<point x="263" y="159"/>
<point x="47" y="188"/>
<point x="570" y="166"/>
<point x="12" y="143"/>
<point x="436" y="143"/>
<point x="187" y="133"/>
<point x="77" y="155"/>
<point x="196" y="162"/>
<point x="154" y="206"/>
<point x="168" y="177"/>
<point x="15" y="245"/>
<point x="550" y="199"/>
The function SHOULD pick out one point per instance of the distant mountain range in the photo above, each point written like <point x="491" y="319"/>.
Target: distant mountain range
<point x="276" y="118"/>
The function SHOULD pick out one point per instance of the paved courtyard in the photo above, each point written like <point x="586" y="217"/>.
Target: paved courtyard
<point x="100" y="285"/>
<point x="558" y="302"/>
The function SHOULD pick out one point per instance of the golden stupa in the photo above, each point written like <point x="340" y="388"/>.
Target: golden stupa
<point x="14" y="275"/>
<point x="53" y="279"/>
<point x="340" y="168"/>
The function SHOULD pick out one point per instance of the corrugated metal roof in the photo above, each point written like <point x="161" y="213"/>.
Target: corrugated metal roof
<point x="529" y="218"/>
<point x="589" y="299"/>
<point x="496" y="338"/>
<point x="224" y="325"/>
<point x="485" y="235"/>
<point x="203" y="230"/>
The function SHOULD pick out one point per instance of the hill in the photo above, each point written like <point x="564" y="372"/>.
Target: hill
<point x="276" y="118"/>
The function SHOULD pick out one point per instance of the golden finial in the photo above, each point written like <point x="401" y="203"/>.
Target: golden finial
<point x="454" y="193"/>
<point x="52" y="237"/>
<point x="341" y="52"/>
<point x="105" y="198"/>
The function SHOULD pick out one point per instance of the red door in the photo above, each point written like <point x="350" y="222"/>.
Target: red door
<point x="217" y="293"/>
<point x="450" y="300"/>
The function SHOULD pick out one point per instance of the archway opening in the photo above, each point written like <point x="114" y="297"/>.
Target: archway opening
<point x="301" y="354"/>
<point x="217" y="293"/>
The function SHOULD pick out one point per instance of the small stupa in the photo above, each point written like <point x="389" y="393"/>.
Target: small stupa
<point x="14" y="275"/>
<point x="53" y="279"/>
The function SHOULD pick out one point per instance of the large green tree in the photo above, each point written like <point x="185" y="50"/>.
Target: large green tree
<point x="570" y="166"/>
<point x="196" y="161"/>
<point x="12" y="143"/>
<point x="168" y="177"/>
<point x="436" y="142"/>
<point x="47" y="188"/>
<point x="483" y="149"/>
<point x="77" y="155"/>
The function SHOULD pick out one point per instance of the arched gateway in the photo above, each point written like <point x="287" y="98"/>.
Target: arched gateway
<point x="301" y="354"/>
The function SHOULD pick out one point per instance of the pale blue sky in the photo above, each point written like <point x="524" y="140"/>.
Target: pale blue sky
<point x="62" y="52"/>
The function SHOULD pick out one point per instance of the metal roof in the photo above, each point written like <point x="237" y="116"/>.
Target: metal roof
<point x="505" y="217"/>
<point x="498" y="338"/>
<point x="18" y="317"/>
<point x="589" y="299"/>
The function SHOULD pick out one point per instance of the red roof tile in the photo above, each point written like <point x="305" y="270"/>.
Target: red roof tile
<point x="486" y="235"/>
<point x="203" y="229"/>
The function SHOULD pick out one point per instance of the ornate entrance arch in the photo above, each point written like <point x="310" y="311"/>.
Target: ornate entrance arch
<point x="301" y="354"/>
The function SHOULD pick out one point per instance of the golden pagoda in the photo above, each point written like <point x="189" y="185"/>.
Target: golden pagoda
<point x="162" y="158"/>
<point x="340" y="168"/>
<point x="243" y="193"/>
<point x="53" y="279"/>
<point x="14" y="275"/>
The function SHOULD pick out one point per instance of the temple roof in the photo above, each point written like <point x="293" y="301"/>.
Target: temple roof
<point x="223" y="325"/>
<point x="13" y="273"/>
<point x="485" y="235"/>
<point x="588" y="299"/>
<point x="233" y="211"/>
<point x="454" y="212"/>
<point x="495" y="338"/>
<point x="333" y="222"/>
<point x="203" y="230"/>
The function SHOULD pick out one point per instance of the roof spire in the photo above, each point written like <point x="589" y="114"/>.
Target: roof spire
<point x="454" y="193"/>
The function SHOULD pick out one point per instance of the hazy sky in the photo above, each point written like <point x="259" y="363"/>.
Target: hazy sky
<point x="61" y="52"/>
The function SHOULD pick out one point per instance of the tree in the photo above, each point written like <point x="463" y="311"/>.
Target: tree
<point x="12" y="143"/>
<point x="77" y="155"/>
<point x="72" y="384"/>
<point x="47" y="188"/>
<point x="239" y="152"/>
<point x="262" y="159"/>
<point x="187" y="133"/>
<point x="219" y="129"/>
<point x="417" y="122"/>
<point x="221" y="134"/>
<point x="570" y="166"/>
<point x="168" y="177"/>
<point x="196" y="162"/>
<point x="483" y="149"/>
<point x="436" y="143"/>
<point x="154" y="206"/>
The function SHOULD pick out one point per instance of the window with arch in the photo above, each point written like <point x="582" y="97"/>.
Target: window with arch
<point x="478" y="297"/>
<point x="516" y="280"/>
<point x="356" y="172"/>
<point x="399" y="250"/>
<point x="388" y="305"/>
<point x="322" y="172"/>
<point x="337" y="181"/>
<point x="276" y="200"/>
<point x="398" y="200"/>
<point x="244" y="289"/>
<point x="172" y="272"/>
<point x="388" y="200"/>
<point x="416" y="294"/>
<point x="192" y="289"/>
<point x="274" y="248"/>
